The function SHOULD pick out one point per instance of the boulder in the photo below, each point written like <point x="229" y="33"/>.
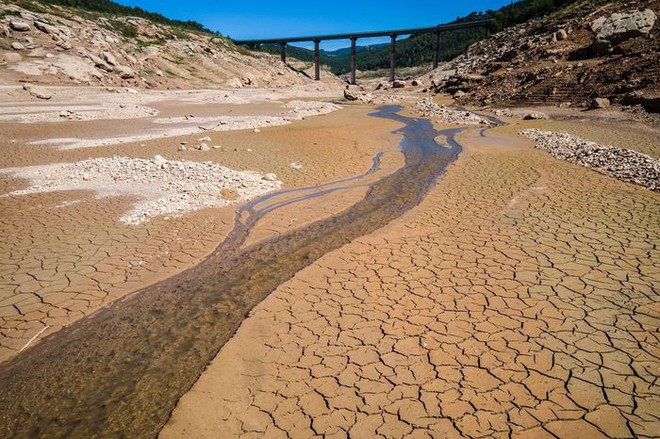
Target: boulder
<point x="45" y="28"/>
<point x="535" y="116"/>
<point x="98" y="62"/>
<point x="398" y="84"/>
<point x="383" y="85"/>
<point x="110" y="58"/>
<point x="351" y="93"/>
<point x="619" y="27"/>
<point x="561" y="34"/>
<point x="19" y="26"/>
<point x="599" y="103"/>
<point x="125" y="72"/>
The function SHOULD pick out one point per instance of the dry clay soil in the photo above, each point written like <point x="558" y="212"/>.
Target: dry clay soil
<point x="520" y="299"/>
<point x="64" y="255"/>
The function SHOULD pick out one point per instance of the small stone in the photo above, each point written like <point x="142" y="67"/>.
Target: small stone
<point x="86" y="177"/>
<point x="270" y="177"/>
<point x="257" y="130"/>
<point x="205" y="139"/>
<point x="181" y="147"/>
<point x="216" y="147"/>
<point x="398" y="84"/>
<point x="203" y="147"/>
<point x="17" y="46"/>
<point x="561" y="34"/>
<point x="295" y="165"/>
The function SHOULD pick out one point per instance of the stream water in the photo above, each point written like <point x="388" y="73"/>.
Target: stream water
<point x="120" y="371"/>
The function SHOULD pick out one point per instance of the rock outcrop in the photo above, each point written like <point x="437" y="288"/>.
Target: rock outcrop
<point x="591" y="49"/>
<point x="620" y="27"/>
<point x="70" y="48"/>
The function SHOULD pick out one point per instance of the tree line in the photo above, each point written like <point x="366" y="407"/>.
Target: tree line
<point x="418" y="49"/>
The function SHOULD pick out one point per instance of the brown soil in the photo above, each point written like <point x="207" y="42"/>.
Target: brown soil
<point x="519" y="299"/>
<point x="65" y="254"/>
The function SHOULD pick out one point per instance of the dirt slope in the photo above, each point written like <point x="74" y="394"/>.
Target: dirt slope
<point x="591" y="49"/>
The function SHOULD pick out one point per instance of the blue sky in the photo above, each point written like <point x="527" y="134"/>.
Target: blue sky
<point x="245" y="19"/>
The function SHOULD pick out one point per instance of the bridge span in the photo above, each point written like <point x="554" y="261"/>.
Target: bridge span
<point x="353" y="37"/>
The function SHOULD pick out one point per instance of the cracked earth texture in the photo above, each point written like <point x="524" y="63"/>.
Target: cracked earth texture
<point x="520" y="299"/>
<point x="64" y="255"/>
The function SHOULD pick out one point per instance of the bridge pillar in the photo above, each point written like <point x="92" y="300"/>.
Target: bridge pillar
<point x="283" y="51"/>
<point x="317" y="60"/>
<point x="353" y="59"/>
<point x="436" y="50"/>
<point x="392" y="57"/>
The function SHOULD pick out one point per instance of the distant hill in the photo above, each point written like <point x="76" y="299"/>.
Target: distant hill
<point x="346" y="51"/>
<point x="418" y="50"/>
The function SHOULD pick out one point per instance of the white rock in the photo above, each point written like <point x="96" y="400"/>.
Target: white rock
<point x="17" y="46"/>
<point x="19" y="26"/>
<point x="159" y="161"/>
<point x="110" y="58"/>
<point x="270" y="177"/>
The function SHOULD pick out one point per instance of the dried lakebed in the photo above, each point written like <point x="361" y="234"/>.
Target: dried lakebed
<point x="121" y="371"/>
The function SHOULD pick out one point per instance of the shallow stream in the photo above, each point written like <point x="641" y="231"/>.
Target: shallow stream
<point x="120" y="371"/>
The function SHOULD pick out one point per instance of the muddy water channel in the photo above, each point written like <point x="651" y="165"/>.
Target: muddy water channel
<point x="121" y="371"/>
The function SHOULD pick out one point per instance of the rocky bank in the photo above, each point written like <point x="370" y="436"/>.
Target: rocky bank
<point x="56" y="45"/>
<point x="592" y="49"/>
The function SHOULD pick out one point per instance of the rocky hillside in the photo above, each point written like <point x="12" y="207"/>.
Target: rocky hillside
<point x="51" y="44"/>
<point x="591" y="53"/>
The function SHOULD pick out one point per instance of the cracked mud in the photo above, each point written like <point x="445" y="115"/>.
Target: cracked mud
<point x="123" y="369"/>
<point x="520" y="299"/>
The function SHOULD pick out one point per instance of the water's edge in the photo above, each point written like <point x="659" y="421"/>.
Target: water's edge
<point x="121" y="371"/>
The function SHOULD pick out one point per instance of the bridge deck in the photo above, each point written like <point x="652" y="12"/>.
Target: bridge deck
<point x="386" y="33"/>
<point x="393" y="34"/>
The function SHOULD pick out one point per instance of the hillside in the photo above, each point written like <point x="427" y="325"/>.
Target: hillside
<point x="48" y="43"/>
<point x="591" y="49"/>
<point x="417" y="50"/>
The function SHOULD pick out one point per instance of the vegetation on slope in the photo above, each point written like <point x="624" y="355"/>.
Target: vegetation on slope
<point x="112" y="8"/>
<point x="418" y="49"/>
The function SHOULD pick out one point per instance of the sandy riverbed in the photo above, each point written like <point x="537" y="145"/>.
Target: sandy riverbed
<point x="67" y="253"/>
<point x="521" y="285"/>
<point x="519" y="298"/>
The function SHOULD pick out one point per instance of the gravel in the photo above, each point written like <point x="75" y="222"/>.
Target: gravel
<point x="428" y="108"/>
<point x="624" y="164"/>
<point x="161" y="186"/>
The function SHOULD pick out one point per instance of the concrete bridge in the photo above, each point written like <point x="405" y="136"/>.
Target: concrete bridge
<point x="353" y="37"/>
